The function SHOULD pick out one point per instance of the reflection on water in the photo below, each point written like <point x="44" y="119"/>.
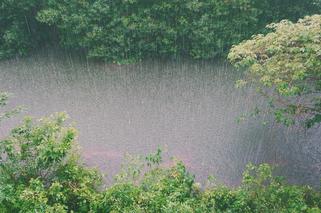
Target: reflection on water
<point x="188" y="108"/>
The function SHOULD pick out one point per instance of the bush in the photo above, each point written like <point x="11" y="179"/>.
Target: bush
<point x="40" y="172"/>
<point x="261" y="192"/>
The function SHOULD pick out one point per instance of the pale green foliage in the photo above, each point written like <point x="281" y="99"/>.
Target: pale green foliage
<point x="261" y="192"/>
<point x="285" y="66"/>
<point x="175" y="190"/>
<point x="39" y="172"/>
<point x="159" y="190"/>
<point x="169" y="190"/>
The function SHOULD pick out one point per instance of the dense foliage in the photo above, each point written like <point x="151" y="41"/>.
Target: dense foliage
<point x="40" y="172"/>
<point x="129" y="30"/>
<point x="285" y="65"/>
<point x="19" y="30"/>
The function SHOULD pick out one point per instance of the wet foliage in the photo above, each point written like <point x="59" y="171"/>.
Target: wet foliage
<point x="130" y="30"/>
<point x="284" y="65"/>
<point x="40" y="168"/>
<point x="40" y="172"/>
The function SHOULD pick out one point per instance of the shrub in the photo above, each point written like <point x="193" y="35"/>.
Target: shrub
<point x="39" y="172"/>
<point x="260" y="191"/>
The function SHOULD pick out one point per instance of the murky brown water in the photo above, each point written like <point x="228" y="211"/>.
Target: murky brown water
<point x="188" y="108"/>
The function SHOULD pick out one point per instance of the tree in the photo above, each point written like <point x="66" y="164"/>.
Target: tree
<point x="39" y="171"/>
<point x="130" y="30"/>
<point x="285" y="67"/>
<point x="19" y="30"/>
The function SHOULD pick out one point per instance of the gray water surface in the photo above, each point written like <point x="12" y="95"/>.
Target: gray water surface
<point x="187" y="108"/>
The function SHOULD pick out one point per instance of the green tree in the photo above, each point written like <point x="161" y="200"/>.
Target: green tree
<point x="40" y="172"/>
<point x="19" y="30"/>
<point x="284" y="65"/>
<point x="127" y="31"/>
<point x="130" y="30"/>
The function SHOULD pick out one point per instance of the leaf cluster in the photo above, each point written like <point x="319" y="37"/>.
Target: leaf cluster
<point x="285" y="67"/>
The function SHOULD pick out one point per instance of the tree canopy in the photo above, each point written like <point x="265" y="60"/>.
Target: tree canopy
<point x="285" y="67"/>
<point x="127" y="31"/>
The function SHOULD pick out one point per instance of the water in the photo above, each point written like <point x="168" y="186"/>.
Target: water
<point x="187" y="108"/>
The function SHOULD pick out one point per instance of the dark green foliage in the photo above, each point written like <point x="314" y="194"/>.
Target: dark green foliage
<point x="277" y="10"/>
<point x="129" y="30"/>
<point x="19" y="30"/>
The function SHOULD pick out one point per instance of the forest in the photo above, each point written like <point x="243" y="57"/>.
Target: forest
<point x="274" y="46"/>
<point x="131" y="30"/>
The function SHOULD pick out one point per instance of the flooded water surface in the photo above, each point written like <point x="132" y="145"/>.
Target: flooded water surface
<point x="187" y="108"/>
